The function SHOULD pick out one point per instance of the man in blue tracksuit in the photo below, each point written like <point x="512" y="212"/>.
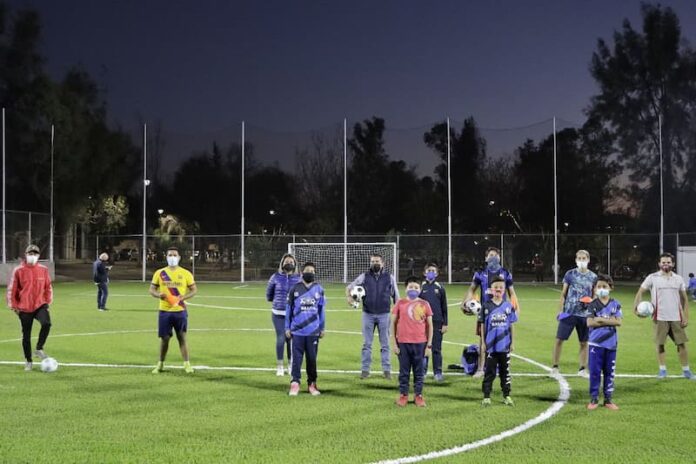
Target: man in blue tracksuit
<point x="100" y="274"/>
<point x="434" y="293"/>
<point x="304" y="323"/>
<point x="380" y="291"/>
<point x="277" y="293"/>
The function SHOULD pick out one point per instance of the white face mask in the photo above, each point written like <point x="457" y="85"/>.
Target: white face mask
<point x="602" y="292"/>
<point x="173" y="261"/>
<point x="582" y="265"/>
<point x="32" y="259"/>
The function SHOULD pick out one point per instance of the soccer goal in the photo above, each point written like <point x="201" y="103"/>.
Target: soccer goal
<point x="342" y="262"/>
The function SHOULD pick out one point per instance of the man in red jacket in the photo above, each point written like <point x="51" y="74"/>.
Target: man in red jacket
<point x="28" y="294"/>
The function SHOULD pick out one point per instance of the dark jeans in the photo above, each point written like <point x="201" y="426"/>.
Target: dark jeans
<point x="102" y="294"/>
<point x="411" y="358"/>
<point x="302" y="346"/>
<point x="27" y="321"/>
<point x="437" y="350"/>
<point x="281" y="340"/>
<point x="501" y="361"/>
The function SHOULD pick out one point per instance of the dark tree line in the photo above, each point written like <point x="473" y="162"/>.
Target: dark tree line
<point x="608" y="170"/>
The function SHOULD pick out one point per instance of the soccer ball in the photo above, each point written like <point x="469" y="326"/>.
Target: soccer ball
<point x="357" y="293"/>
<point x="49" y="365"/>
<point x="645" y="309"/>
<point x="471" y="308"/>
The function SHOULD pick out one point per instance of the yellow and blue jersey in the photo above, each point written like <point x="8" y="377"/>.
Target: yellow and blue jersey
<point x="173" y="281"/>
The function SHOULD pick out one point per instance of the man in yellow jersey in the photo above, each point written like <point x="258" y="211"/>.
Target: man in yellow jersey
<point x="173" y="285"/>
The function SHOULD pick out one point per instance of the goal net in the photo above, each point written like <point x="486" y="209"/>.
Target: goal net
<point x="342" y="262"/>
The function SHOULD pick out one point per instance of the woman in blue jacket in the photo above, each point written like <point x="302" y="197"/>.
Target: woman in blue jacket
<point x="276" y="292"/>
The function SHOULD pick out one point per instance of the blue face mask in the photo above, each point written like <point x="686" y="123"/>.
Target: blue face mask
<point x="412" y="294"/>
<point x="430" y="275"/>
<point x="493" y="262"/>
<point x="602" y="292"/>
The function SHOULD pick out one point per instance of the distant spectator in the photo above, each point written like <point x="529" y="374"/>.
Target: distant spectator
<point x="538" y="264"/>
<point x="692" y="286"/>
<point x="100" y="274"/>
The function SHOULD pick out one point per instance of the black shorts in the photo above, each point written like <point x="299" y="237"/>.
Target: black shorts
<point x="566" y="326"/>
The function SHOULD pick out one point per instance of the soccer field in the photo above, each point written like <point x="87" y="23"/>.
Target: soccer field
<point x="104" y="405"/>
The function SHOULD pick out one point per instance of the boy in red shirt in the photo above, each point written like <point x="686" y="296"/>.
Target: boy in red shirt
<point x="28" y="294"/>
<point x="412" y="337"/>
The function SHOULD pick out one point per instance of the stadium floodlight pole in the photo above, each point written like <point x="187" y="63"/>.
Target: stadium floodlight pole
<point x="555" y="208"/>
<point x="449" y="208"/>
<point x="50" y="226"/>
<point x="345" y="200"/>
<point x="241" y="235"/>
<point x="662" y="189"/>
<point x="145" y="183"/>
<point x="4" y="223"/>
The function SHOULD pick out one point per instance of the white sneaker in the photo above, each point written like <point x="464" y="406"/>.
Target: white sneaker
<point x="40" y="354"/>
<point x="28" y="366"/>
<point x="478" y="374"/>
<point x="280" y="371"/>
<point x="554" y="372"/>
<point x="583" y="373"/>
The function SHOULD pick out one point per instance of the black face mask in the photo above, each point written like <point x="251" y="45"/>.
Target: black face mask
<point x="376" y="268"/>
<point x="308" y="277"/>
<point x="288" y="267"/>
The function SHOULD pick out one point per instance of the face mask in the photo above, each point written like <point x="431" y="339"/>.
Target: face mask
<point x="602" y="292"/>
<point x="288" y="267"/>
<point x="173" y="261"/>
<point x="666" y="268"/>
<point x="32" y="259"/>
<point x="308" y="277"/>
<point x="430" y="275"/>
<point x="412" y="294"/>
<point x="581" y="264"/>
<point x="376" y="268"/>
<point x="493" y="262"/>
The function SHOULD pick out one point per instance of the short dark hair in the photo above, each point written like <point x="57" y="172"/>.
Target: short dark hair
<point x="431" y="264"/>
<point x="173" y="248"/>
<point x="691" y="274"/>
<point x="412" y="278"/>
<point x="667" y="255"/>
<point x="307" y="264"/>
<point x="497" y="279"/>
<point x="376" y="255"/>
<point x="492" y="248"/>
<point x="606" y="278"/>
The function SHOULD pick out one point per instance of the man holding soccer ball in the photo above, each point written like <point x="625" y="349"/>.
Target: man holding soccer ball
<point x="380" y="287"/>
<point x="671" y="313"/>
<point x="29" y="293"/>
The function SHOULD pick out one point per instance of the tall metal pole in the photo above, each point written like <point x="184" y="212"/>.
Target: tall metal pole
<point x="50" y="227"/>
<point x="449" y="207"/>
<point x="555" y="207"/>
<point x="345" y="201"/>
<point x="662" y="190"/>
<point x="241" y="274"/>
<point x="145" y="183"/>
<point x="4" y="193"/>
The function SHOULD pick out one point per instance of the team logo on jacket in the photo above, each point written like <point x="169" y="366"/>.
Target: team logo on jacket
<point x="316" y="295"/>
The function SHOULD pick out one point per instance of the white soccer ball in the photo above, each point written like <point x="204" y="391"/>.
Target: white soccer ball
<point x="357" y="293"/>
<point x="645" y="309"/>
<point x="471" y="308"/>
<point x="49" y="365"/>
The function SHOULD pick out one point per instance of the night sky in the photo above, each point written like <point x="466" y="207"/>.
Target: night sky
<point x="298" y="65"/>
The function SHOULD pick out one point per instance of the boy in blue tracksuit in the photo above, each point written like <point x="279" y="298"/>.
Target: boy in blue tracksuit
<point x="277" y="293"/>
<point x="434" y="293"/>
<point x="496" y="318"/>
<point x="691" y="289"/>
<point x="304" y="323"/>
<point x="603" y="319"/>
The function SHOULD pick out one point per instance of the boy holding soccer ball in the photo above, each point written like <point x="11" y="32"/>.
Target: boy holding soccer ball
<point x="412" y="337"/>
<point x="496" y="317"/>
<point x="603" y="319"/>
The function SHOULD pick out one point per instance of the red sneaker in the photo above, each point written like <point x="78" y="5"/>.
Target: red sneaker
<point x="402" y="400"/>
<point x="612" y="406"/>
<point x="420" y="402"/>
<point x="592" y="405"/>
<point x="313" y="389"/>
<point x="294" y="389"/>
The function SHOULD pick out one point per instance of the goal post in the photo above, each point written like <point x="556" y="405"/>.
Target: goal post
<point x="343" y="262"/>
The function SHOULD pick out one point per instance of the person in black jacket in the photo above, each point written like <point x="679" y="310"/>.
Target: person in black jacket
<point x="100" y="273"/>
<point x="434" y="293"/>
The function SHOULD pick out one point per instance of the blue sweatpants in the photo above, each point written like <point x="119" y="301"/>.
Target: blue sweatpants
<point x="602" y="361"/>
<point x="411" y="358"/>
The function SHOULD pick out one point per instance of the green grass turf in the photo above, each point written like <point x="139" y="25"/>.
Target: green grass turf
<point x="89" y="414"/>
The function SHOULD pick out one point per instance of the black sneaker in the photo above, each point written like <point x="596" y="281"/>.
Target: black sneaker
<point x="364" y="374"/>
<point x="387" y="375"/>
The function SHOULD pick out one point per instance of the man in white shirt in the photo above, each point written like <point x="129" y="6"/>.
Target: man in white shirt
<point x="671" y="315"/>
